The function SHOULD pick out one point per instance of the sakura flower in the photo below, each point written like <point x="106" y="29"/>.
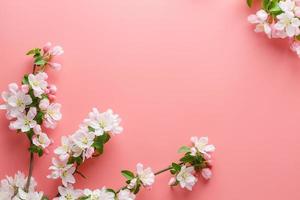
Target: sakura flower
<point x="260" y="19"/>
<point x="68" y="193"/>
<point x="201" y="145"/>
<point x="67" y="176"/>
<point x="83" y="139"/>
<point x="47" y="47"/>
<point x="132" y="183"/>
<point x="52" y="115"/>
<point x="52" y="88"/>
<point x="289" y="23"/>
<point x="287" y="5"/>
<point x="296" y="47"/>
<point x="38" y="83"/>
<point x="61" y="169"/>
<point x="55" y="66"/>
<point x="206" y="173"/>
<point x="102" y="194"/>
<point x="65" y="149"/>
<point x="56" y="51"/>
<point x="104" y="122"/>
<point x="145" y="175"/>
<point x="15" y="100"/>
<point x="41" y="140"/>
<point x="25" y="122"/>
<point x="13" y="188"/>
<point x="29" y="195"/>
<point x="19" y="101"/>
<point x="185" y="177"/>
<point x="125" y="195"/>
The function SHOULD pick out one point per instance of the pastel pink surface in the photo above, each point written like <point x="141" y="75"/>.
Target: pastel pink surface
<point x="171" y="69"/>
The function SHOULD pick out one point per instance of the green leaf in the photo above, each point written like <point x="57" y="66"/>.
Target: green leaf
<point x="176" y="167"/>
<point x="137" y="188"/>
<point x="25" y="80"/>
<point x="265" y="4"/>
<point x="45" y="198"/>
<point x="187" y="159"/>
<point x="91" y="129"/>
<point x="274" y="8"/>
<point x="77" y="160"/>
<point x="39" y="117"/>
<point x="298" y="37"/>
<point x="249" y="3"/>
<point x="110" y="190"/>
<point x="34" y="51"/>
<point x="40" y="62"/>
<point x="36" y="149"/>
<point x="29" y="134"/>
<point x="127" y="174"/>
<point x="184" y="149"/>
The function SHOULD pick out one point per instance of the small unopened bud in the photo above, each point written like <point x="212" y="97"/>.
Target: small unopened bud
<point x="25" y="88"/>
<point x="47" y="47"/>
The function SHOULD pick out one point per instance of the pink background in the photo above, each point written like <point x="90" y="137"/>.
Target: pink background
<point x="172" y="69"/>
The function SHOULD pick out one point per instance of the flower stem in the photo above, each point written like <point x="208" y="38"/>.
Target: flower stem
<point x="156" y="173"/>
<point x="29" y="171"/>
<point x="31" y="161"/>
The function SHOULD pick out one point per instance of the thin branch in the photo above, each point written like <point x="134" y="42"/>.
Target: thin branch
<point x="29" y="171"/>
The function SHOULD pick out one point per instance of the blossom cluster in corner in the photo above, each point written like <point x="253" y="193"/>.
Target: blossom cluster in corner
<point x="86" y="142"/>
<point x="14" y="188"/>
<point x="279" y="19"/>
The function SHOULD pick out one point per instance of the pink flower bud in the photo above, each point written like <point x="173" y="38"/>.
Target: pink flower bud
<point x="206" y="173"/>
<point x="46" y="151"/>
<point x="52" y="97"/>
<point x="52" y="88"/>
<point x="55" y="66"/>
<point x="25" y="88"/>
<point x="44" y="103"/>
<point x="56" y="51"/>
<point x="47" y="91"/>
<point x="172" y="181"/>
<point x="47" y="47"/>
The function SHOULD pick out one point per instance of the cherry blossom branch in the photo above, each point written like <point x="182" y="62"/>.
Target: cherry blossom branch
<point x="195" y="159"/>
<point x="278" y="19"/>
<point x="31" y="160"/>
<point x="30" y="107"/>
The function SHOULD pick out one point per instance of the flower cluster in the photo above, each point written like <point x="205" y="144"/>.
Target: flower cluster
<point x="279" y="19"/>
<point x="14" y="188"/>
<point x="86" y="142"/>
<point x="196" y="158"/>
<point x="30" y="105"/>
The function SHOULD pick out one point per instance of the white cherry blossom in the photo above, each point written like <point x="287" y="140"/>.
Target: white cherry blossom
<point x="104" y="122"/>
<point x="38" y="83"/>
<point x="25" y="122"/>
<point x="146" y="176"/>
<point x="52" y="114"/>
<point x="262" y="25"/>
<point x="201" y="145"/>
<point x="125" y="195"/>
<point x="68" y="193"/>
<point x="289" y="23"/>
<point x="186" y="178"/>
<point x="64" y="150"/>
<point x="41" y="140"/>
<point x="15" y="100"/>
<point x="97" y="194"/>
